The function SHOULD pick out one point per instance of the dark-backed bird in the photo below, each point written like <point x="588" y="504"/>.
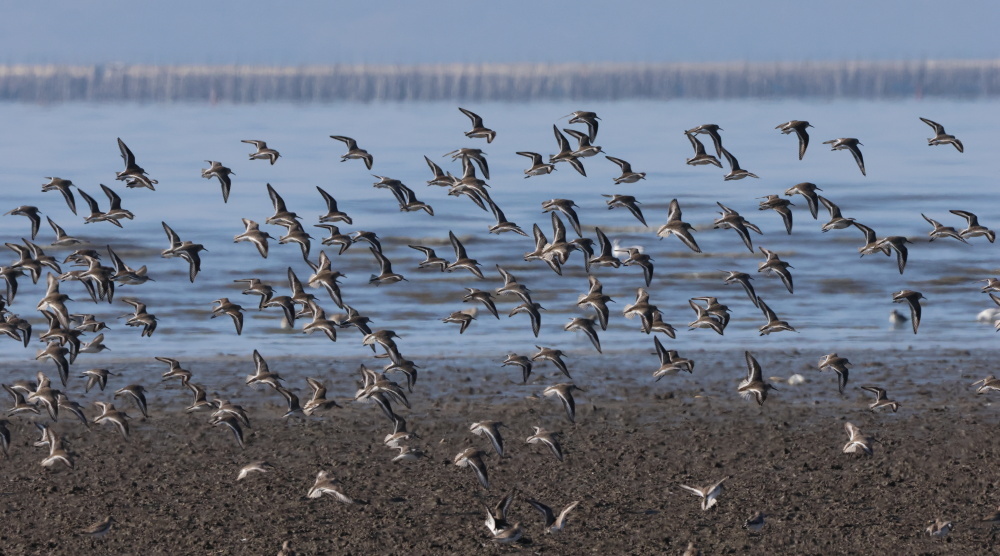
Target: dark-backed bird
<point x="912" y="299"/>
<point x="849" y="144"/>
<point x="263" y="152"/>
<point x="941" y="137"/>
<point x="133" y="174"/>
<point x="217" y="170"/>
<point x="478" y="129"/>
<point x="353" y="151"/>
<point x="799" y="127"/>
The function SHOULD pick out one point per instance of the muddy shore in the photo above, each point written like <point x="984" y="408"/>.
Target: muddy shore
<point x="172" y="488"/>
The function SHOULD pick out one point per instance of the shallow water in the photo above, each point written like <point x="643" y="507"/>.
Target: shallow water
<point x="841" y="302"/>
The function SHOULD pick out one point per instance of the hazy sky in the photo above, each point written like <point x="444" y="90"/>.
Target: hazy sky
<point x="429" y="31"/>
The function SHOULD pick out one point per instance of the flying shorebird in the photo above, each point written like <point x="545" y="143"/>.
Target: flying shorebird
<point x="472" y="457"/>
<point x="627" y="176"/>
<point x="585" y="325"/>
<point x="538" y="167"/>
<point x="709" y="494"/>
<point x="254" y="467"/>
<point x="637" y="258"/>
<point x="295" y="233"/>
<point x="754" y="385"/>
<point x="502" y="225"/>
<point x="857" y="443"/>
<point x="478" y="129"/>
<point x="837" y="219"/>
<point x="521" y="361"/>
<point x="584" y="117"/>
<point x="733" y="220"/>
<point x="254" y="235"/>
<point x="552" y="522"/>
<point x="735" y="172"/>
<point x="712" y="130"/>
<point x="850" y="144"/>
<point x="743" y="279"/>
<point x="675" y="226"/>
<point x="111" y="415"/>
<point x="325" y="484"/>
<point x="496" y="517"/>
<point x="547" y="438"/>
<point x="491" y="429"/>
<point x="217" y="170"/>
<point x="62" y="186"/>
<point x="565" y="153"/>
<point x="62" y="238"/>
<point x="779" y="205"/>
<point x="553" y="355"/>
<point x="700" y="156"/>
<point x="897" y="244"/>
<point x="353" y="151"/>
<point x="988" y="384"/>
<point x="774" y="265"/>
<point x="799" y="127"/>
<point x="31" y="213"/>
<point x="96" y="214"/>
<point x="431" y="260"/>
<point x="318" y="400"/>
<point x="670" y="361"/>
<point x="604" y="256"/>
<point x="468" y="156"/>
<point x="262" y="152"/>
<point x="941" y="231"/>
<point x="336" y="237"/>
<point x="939" y="528"/>
<point x="912" y="299"/>
<point x="386" y="275"/>
<point x="133" y="174"/>
<point x="773" y="324"/>
<point x="483" y="297"/>
<point x="807" y="190"/>
<point x="564" y="391"/>
<point x="881" y="399"/>
<point x="626" y="201"/>
<point x="233" y="423"/>
<point x="227" y="307"/>
<point x="96" y="377"/>
<point x="462" y="259"/>
<point x="441" y="177"/>
<point x="584" y="147"/>
<point x="185" y="250"/>
<point x="508" y="535"/>
<point x="137" y="394"/>
<point x="704" y="318"/>
<point x="462" y="318"/>
<point x="837" y="364"/>
<point x="282" y="216"/>
<point x="564" y="206"/>
<point x="942" y="138"/>
<point x="973" y="228"/>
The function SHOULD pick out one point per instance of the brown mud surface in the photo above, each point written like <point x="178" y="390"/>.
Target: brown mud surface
<point x="172" y="488"/>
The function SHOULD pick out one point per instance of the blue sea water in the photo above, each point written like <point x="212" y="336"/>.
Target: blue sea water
<point x="841" y="301"/>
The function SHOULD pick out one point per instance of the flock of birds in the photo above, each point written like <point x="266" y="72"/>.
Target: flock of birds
<point x="45" y="403"/>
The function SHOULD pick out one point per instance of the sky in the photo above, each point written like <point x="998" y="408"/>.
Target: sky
<point x="300" y="32"/>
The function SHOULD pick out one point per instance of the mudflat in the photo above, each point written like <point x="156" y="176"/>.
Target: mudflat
<point x="172" y="487"/>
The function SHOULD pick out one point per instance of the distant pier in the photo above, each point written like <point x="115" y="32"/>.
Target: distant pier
<point x="499" y="82"/>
